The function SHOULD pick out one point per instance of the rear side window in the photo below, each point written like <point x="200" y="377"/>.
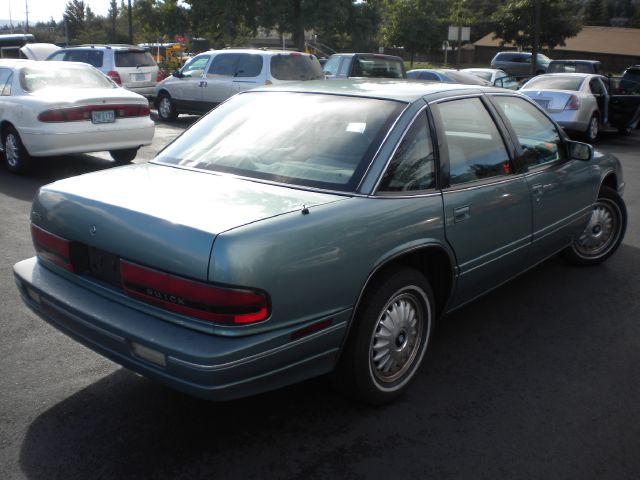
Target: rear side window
<point x="412" y="167"/>
<point x="249" y="65"/>
<point x="296" y="67"/>
<point x="475" y="148"/>
<point x="132" y="58"/>
<point x="92" y="57"/>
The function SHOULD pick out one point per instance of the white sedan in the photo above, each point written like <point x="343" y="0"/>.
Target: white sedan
<point x="58" y="108"/>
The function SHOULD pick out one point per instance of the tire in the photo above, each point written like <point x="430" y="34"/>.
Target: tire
<point x="122" y="157"/>
<point x="591" y="133"/>
<point x="17" y="159"/>
<point x="604" y="232"/>
<point x="399" y="307"/>
<point x="166" y="109"/>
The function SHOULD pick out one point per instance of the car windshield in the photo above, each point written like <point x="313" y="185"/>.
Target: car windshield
<point x="296" y="67"/>
<point x="481" y="73"/>
<point x="313" y="140"/>
<point x="553" y="82"/>
<point x="378" y="67"/>
<point x="63" y="76"/>
<point x="465" y="78"/>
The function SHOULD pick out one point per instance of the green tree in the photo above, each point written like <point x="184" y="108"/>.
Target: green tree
<point x="597" y="13"/>
<point x="74" y="17"/>
<point x="112" y="15"/>
<point x="515" y="23"/>
<point x="414" y="25"/>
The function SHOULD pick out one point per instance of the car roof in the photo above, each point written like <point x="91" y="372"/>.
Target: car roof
<point x="568" y="74"/>
<point x="386" y="89"/>
<point x="567" y="60"/>
<point x="254" y="50"/>
<point x="109" y="46"/>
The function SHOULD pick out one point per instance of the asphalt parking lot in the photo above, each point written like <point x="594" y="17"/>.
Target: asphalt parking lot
<point x="539" y="379"/>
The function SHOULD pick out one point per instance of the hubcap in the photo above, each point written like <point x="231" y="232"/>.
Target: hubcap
<point x="397" y="338"/>
<point x="593" y="127"/>
<point x="601" y="232"/>
<point x="11" y="150"/>
<point x="165" y="107"/>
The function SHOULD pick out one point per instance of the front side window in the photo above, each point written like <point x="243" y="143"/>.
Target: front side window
<point x="475" y="148"/>
<point x="537" y="134"/>
<point x="331" y="67"/>
<point x="412" y="167"/>
<point x="195" y="66"/>
<point x="322" y="141"/>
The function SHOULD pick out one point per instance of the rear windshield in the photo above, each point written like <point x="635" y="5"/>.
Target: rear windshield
<point x="555" y="83"/>
<point x="58" y="76"/>
<point x="314" y="140"/>
<point x="466" y="78"/>
<point x="134" y="58"/>
<point x="378" y="67"/>
<point x="296" y="67"/>
<point x="482" y="74"/>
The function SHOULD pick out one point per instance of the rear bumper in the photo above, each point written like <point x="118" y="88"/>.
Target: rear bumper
<point x="144" y="91"/>
<point x="60" y="139"/>
<point x="198" y="363"/>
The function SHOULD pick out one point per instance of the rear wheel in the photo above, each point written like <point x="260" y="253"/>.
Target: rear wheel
<point x="390" y="335"/>
<point x="166" y="110"/>
<point x="17" y="159"/>
<point x="122" y="157"/>
<point x="604" y="232"/>
<point x="591" y="133"/>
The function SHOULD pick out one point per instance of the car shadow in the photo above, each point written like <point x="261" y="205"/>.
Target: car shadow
<point x="49" y="169"/>
<point x="536" y="380"/>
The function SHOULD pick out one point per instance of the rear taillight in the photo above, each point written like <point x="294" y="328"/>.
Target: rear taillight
<point x="228" y="306"/>
<point x="51" y="247"/>
<point x="75" y="114"/>
<point x="115" y="76"/>
<point x="573" y="103"/>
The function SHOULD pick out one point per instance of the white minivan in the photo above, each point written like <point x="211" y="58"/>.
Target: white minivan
<point x="209" y="78"/>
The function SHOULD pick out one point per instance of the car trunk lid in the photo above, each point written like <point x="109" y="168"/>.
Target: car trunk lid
<point x="162" y="217"/>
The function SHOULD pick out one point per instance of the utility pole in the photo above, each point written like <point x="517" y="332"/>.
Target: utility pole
<point x="26" y="11"/>
<point x="536" y="37"/>
<point x="130" y="24"/>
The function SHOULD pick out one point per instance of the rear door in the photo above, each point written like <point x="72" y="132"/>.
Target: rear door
<point x="487" y="204"/>
<point x="218" y="83"/>
<point x="249" y="72"/>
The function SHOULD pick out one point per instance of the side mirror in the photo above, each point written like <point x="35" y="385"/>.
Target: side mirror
<point x="177" y="74"/>
<point x="579" y="151"/>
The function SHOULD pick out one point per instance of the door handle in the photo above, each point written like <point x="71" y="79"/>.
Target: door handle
<point x="537" y="190"/>
<point x="461" y="213"/>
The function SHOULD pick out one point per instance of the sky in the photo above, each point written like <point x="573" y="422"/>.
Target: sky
<point x="43" y="10"/>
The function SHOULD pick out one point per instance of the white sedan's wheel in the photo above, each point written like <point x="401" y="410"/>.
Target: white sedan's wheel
<point x="17" y="159"/>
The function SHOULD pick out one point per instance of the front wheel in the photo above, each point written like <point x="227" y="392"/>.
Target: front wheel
<point x="17" y="159"/>
<point x="122" y="157"/>
<point x="604" y="232"/>
<point x="389" y="338"/>
<point x="166" y="110"/>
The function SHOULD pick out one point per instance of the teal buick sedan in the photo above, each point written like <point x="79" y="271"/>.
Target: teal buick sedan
<point x="315" y="228"/>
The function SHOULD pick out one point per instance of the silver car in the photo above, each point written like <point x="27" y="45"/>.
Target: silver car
<point x="579" y="102"/>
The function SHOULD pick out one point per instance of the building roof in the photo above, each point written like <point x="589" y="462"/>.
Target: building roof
<point x="608" y="40"/>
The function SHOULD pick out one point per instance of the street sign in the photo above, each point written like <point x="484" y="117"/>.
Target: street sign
<point x="465" y="34"/>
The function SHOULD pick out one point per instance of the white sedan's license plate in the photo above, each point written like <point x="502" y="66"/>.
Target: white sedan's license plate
<point x="103" y="116"/>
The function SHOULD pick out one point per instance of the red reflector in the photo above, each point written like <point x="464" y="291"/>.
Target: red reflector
<point x="207" y="302"/>
<point x="51" y="247"/>
<point x="313" y="328"/>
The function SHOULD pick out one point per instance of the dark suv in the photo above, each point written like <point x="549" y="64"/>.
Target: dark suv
<point x="518" y="64"/>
